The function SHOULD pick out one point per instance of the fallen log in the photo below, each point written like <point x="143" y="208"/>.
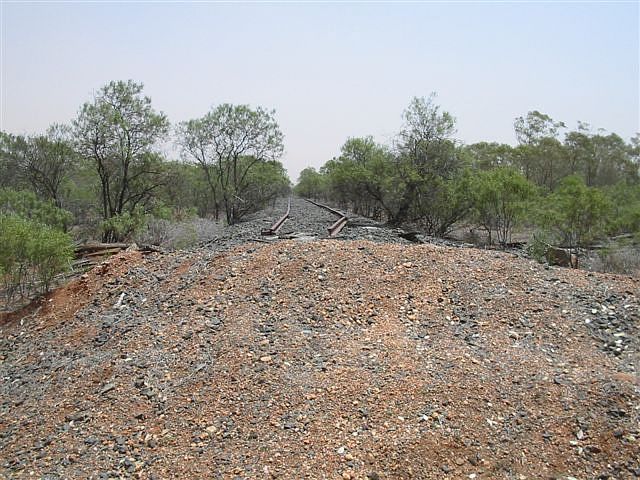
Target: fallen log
<point x="100" y="253"/>
<point x="150" y="249"/>
<point x="97" y="249"/>
<point x="94" y="247"/>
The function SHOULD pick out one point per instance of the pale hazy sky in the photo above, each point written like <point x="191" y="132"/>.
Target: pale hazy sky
<point x="330" y="70"/>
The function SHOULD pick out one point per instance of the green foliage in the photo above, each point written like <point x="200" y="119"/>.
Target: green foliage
<point x="535" y="127"/>
<point x="46" y="161"/>
<point x="117" y="132"/>
<point x="425" y="128"/>
<point x="50" y="253"/>
<point x="625" y="201"/>
<point x="500" y="197"/>
<point x="574" y="213"/>
<point x="427" y="159"/>
<point x="162" y="210"/>
<point x="362" y="178"/>
<point x="26" y="205"/>
<point x="485" y="155"/>
<point x="11" y="148"/>
<point x="266" y="181"/>
<point x="107" y="172"/>
<point x="425" y="145"/>
<point x="447" y="202"/>
<point x="416" y="183"/>
<point x="538" y="244"/>
<point x="121" y="227"/>
<point x="311" y="184"/>
<point x="185" y="191"/>
<point x="188" y="213"/>
<point x="31" y="254"/>
<point x="227" y="143"/>
<point x="600" y="159"/>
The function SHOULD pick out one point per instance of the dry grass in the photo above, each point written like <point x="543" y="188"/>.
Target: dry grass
<point x="621" y="260"/>
<point x="178" y="235"/>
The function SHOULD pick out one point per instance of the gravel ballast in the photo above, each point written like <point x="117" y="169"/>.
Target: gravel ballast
<point x="323" y="358"/>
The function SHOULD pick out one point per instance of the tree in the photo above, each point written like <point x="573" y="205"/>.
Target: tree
<point x="500" y="197"/>
<point x="117" y="132"/>
<point x="575" y="213"/>
<point x="540" y="154"/>
<point x="195" y="139"/>
<point x="227" y="143"/>
<point x="625" y="215"/>
<point x="266" y="182"/>
<point x="425" y="138"/>
<point x="420" y="181"/>
<point x="448" y="201"/>
<point x="26" y="205"/>
<point x="601" y="159"/>
<point x="311" y="184"/>
<point x="633" y="149"/>
<point x="360" y="178"/>
<point x="427" y="159"/>
<point x="42" y="162"/>
<point x="488" y="155"/>
<point x="530" y="130"/>
<point x="11" y="150"/>
<point x="47" y="161"/>
<point x="186" y="188"/>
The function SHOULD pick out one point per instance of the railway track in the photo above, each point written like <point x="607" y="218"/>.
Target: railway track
<point x="333" y="230"/>
<point x="339" y="224"/>
<point x="273" y="230"/>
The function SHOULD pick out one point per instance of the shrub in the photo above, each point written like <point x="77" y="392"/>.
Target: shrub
<point x="14" y="237"/>
<point x="50" y="252"/>
<point x="25" y="204"/>
<point x="501" y="197"/>
<point x="538" y="245"/>
<point x="619" y="260"/>
<point x="443" y="203"/>
<point x="122" y="227"/>
<point x="31" y="255"/>
<point x="625" y="199"/>
<point x="178" y="234"/>
<point x="574" y="213"/>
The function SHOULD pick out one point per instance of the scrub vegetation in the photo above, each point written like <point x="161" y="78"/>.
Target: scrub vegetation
<point x="107" y="176"/>
<point x="567" y="188"/>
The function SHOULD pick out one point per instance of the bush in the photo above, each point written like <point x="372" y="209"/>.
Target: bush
<point x="31" y="255"/>
<point x="538" y="245"/>
<point x="311" y="184"/>
<point x="619" y="260"/>
<point x="25" y="204"/>
<point x="122" y="227"/>
<point x="50" y="253"/>
<point x="625" y="217"/>
<point x="574" y="213"/>
<point x="178" y="234"/>
<point x="500" y="200"/>
<point x="443" y="203"/>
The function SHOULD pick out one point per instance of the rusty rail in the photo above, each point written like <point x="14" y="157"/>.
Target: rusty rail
<point x="334" y="229"/>
<point x="339" y="224"/>
<point x="276" y="226"/>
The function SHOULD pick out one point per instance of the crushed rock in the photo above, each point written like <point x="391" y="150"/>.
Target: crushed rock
<point x="324" y="359"/>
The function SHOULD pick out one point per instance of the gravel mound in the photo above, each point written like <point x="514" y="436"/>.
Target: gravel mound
<point x="324" y="359"/>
